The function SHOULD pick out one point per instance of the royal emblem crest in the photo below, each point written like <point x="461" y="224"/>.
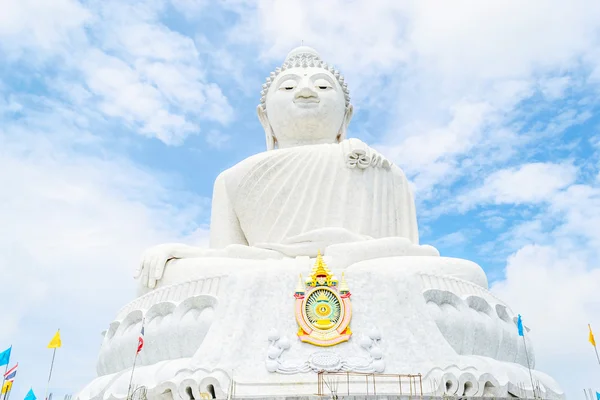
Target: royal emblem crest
<point x="323" y="308"/>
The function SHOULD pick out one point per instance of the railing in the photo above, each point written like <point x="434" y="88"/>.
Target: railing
<point x="329" y="382"/>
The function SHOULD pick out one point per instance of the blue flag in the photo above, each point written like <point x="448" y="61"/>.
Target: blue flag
<point x="5" y="356"/>
<point x="520" y="325"/>
<point x="598" y="395"/>
<point x="30" y="395"/>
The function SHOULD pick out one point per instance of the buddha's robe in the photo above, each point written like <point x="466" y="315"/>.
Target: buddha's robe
<point x="282" y="193"/>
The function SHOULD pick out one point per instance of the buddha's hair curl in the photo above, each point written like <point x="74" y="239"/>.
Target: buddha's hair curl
<point x="303" y="60"/>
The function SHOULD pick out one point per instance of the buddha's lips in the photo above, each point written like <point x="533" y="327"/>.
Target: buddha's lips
<point x="306" y="100"/>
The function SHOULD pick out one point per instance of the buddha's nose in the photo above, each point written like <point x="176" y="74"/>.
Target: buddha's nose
<point x="306" y="91"/>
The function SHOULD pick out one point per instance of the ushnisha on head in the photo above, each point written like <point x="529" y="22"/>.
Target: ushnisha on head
<point x="305" y="101"/>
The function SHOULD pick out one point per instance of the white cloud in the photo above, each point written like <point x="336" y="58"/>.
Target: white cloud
<point x="455" y="239"/>
<point x="33" y="25"/>
<point x="136" y="38"/>
<point x="430" y="153"/>
<point x="133" y="66"/>
<point x="505" y="39"/>
<point x="528" y="183"/>
<point x="156" y="79"/>
<point x="216" y="139"/>
<point x="123" y="94"/>
<point x="579" y="207"/>
<point x="190" y="8"/>
<point x="494" y="221"/>
<point x="554" y="87"/>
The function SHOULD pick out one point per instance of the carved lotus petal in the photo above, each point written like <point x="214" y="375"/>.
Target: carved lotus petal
<point x="364" y="162"/>
<point x="358" y="158"/>
<point x="375" y="160"/>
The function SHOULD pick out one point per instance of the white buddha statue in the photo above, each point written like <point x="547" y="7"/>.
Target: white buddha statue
<point x="311" y="189"/>
<point x="236" y="317"/>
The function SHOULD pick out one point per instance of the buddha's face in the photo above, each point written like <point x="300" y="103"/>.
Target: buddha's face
<point x="306" y="106"/>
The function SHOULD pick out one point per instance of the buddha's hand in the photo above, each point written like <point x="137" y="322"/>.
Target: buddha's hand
<point x="310" y="243"/>
<point x="154" y="260"/>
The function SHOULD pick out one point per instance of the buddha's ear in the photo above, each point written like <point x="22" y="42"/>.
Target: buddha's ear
<point x="344" y="128"/>
<point x="264" y="121"/>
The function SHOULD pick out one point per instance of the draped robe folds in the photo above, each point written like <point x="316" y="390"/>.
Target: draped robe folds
<point x="282" y="193"/>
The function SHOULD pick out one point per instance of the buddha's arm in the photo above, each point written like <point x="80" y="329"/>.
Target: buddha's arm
<point x="409" y="222"/>
<point x="225" y="227"/>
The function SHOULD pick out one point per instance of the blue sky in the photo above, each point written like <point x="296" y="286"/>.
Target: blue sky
<point x="116" y="117"/>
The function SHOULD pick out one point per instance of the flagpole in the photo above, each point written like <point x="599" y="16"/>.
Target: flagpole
<point x="529" y="368"/>
<point x="6" y="370"/>
<point x="131" y="378"/>
<point x="4" y="379"/>
<point x="133" y="367"/>
<point x="593" y="342"/>
<point x="50" y="375"/>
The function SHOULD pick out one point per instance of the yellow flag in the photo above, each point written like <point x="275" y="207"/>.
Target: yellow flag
<point x="591" y="338"/>
<point x="55" y="343"/>
<point x="7" y="386"/>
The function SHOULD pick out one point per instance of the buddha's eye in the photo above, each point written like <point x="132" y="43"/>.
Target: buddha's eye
<point x="322" y="84"/>
<point x="288" y="85"/>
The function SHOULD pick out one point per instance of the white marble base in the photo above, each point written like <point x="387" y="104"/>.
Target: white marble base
<point x="433" y="316"/>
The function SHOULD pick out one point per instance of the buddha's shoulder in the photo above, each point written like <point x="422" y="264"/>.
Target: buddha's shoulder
<point x="355" y="144"/>
<point x="245" y="165"/>
<point x="267" y="157"/>
<point x="234" y="175"/>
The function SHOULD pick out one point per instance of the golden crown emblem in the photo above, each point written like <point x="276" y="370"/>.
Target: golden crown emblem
<point x="323" y="311"/>
<point x="320" y="270"/>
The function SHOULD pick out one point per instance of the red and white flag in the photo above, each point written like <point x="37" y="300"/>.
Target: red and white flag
<point x="11" y="373"/>
<point x="141" y="340"/>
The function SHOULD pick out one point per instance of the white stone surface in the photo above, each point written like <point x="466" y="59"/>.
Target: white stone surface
<point x="223" y="314"/>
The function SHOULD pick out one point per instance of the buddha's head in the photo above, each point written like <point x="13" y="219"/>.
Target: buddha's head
<point x="304" y="102"/>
